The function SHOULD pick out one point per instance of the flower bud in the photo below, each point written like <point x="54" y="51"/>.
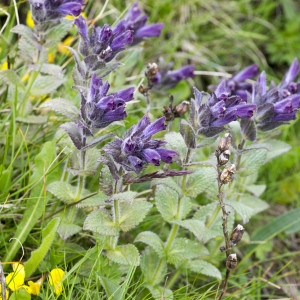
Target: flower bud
<point x="231" y="261"/>
<point x="228" y="174"/>
<point x="224" y="157"/>
<point x="225" y="142"/>
<point x="236" y="235"/>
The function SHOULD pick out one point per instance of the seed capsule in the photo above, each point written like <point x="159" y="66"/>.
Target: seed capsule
<point x="228" y="174"/>
<point x="181" y="109"/>
<point x="224" y="157"/>
<point x="231" y="261"/>
<point x="236" y="235"/>
<point x="225" y="142"/>
<point x="152" y="69"/>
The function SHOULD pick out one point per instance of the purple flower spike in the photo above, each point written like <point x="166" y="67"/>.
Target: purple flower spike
<point x="137" y="148"/>
<point x="247" y="73"/>
<point x="291" y="74"/>
<point x="53" y="10"/>
<point x="136" y="20"/>
<point x="102" y="109"/>
<point x="166" y="78"/>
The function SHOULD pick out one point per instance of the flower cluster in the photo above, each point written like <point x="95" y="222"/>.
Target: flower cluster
<point x="209" y="113"/>
<point x="100" y="109"/>
<point x="52" y="10"/>
<point x="167" y="78"/>
<point x="276" y="105"/>
<point x="106" y="42"/>
<point x="137" y="148"/>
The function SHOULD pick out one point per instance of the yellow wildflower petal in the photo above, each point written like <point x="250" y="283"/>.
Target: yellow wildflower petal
<point x="4" y="66"/>
<point x="55" y="278"/>
<point x="50" y="57"/>
<point x="66" y="42"/>
<point x="19" y="268"/>
<point x="35" y="287"/>
<point x="29" y="20"/>
<point x="14" y="280"/>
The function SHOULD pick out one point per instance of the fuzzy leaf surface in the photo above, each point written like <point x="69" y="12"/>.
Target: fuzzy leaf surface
<point x="64" y="107"/>
<point x="176" y="142"/>
<point x="133" y="213"/>
<point x="98" y="221"/>
<point x="125" y="255"/>
<point x="203" y="267"/>
<point x="153" y="240"/>
<point x="45" y="84"/>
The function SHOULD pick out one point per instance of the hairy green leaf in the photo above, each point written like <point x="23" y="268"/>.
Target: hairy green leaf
<point x="64" y="107"/>
<point x="125" y="255"/>
<point x="125" y="196"/>
<point x="133" y="213"/>
<point x="64" y="191"/>
<point x="184" y="249"/>
<point x="203" y="267"/>
<point x="153" y="240"/>
<point x="98" y="221"/>
<point x="160" y="292"/>
<point x="176" y="142"/>
<point x="45" y="84"/>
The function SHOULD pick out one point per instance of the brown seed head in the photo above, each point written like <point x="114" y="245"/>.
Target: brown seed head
<point x="236" y="235"/>
<point x="225" y="142"/>
<point x="231" y="261"/>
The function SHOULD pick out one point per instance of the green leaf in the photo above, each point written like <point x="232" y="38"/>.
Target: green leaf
<point x="38" y="255"/>
<point x="169" y="182"/>
<point x="166" y="200"/>
<point x="176" y="142"/>
<point x="153" y="268"/>
<point x="111" y="286"/>
<point x="125" y="196"/>
<point x="5" y="178"/>
<point x="45" y="84"/>
<point x="280" y="224"/>
<point x="98" y="221"/>
<point x="44" y="172"/>
<point x="203" y="267"/>
<point x="277" y="148"/>
<point x="202" y="180"/>
<point x="64" y="107"/>
<point x="125" y="255"/>
<point x="20" y="294"/>
<point x="133" y="213"/>
<point x="96" y="200"/>
<point x="57" y="32"/>
<point x="187" y="131"/>
<point x="247" y="206"/>
<point x="32" y="119"/>
<point x="153" y="240"/>
<point x="184" y="249"/>
<point x="160" y="292"/>
<point x="10" y="77"/>
<point x="252" y="160"/>
<point x="66" y="230"/>
<point x="255" y="189"/>
<point x="196" y="227"/>
<point x="64" y="191"/>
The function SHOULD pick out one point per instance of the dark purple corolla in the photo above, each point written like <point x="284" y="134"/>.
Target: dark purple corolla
<point x="137" y="148"/>
<point x="287" y="86"/>
<point x="99" y="109"/>
<point x="209" y="113"/>
<point x="52" y="10"/>
<point x="274" y="107"/>
<point x="105" y="42"/>
<point x="166" y="78"/>
<point x="136" y="20"/>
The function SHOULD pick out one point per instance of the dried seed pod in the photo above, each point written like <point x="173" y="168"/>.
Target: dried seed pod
<point x="143" y="89"/>
<point x="228" y="174"/>
<point x="224" y="157"/>
<point x="231" y="261"/>
<point x="236" y="235"/>
<point x="225" y="142"/>
<point x="181" y="109"/>
<point x="152" y="69"/>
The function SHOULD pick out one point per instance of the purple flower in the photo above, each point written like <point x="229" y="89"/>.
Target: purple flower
<point x="137" y="148"/>
<point x="105" y="42"/>
<point x="101" y="109"/>
<point x="166" y="78"/>
<point x="287" y="85"/>
<point x="52" y="10"/>
<point x="219" y="109"/>
<point x="136" y="20"/>
<point x="237" y="85"/>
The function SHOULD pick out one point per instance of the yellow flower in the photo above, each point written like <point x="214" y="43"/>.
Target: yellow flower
<point x="34" y="287"/>
<point x="4" y="66"/>
<point x="50" y="57"/>
<point x="14" y="280"/>
<point x="6" y="292"/>
<point x="66" y="42"/>
<point x="29" y="20"/>
<point x="55" y="278"/>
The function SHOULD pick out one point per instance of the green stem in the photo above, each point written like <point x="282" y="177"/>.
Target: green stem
<point x="239" y="155"/>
